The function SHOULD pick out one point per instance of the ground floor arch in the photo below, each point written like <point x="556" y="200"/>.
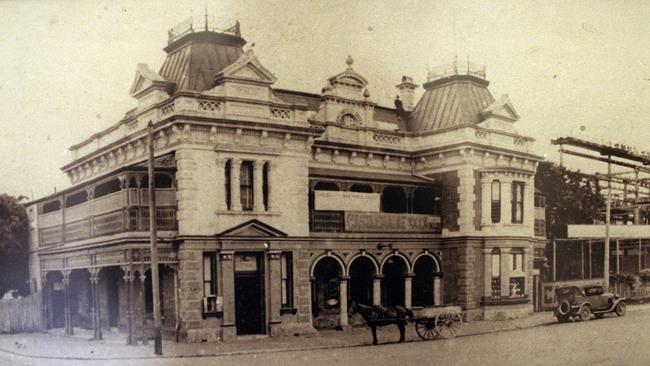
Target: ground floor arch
<point x="393" y="287"/>
<point x="362" y="273"/>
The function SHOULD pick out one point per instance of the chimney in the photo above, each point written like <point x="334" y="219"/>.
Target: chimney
<point x="406" y="90"/>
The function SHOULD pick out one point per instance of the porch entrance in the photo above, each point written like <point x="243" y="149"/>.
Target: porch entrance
<point x="249" y="293"/>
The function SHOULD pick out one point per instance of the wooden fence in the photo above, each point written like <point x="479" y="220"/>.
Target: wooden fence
<point x="22" y="315"/>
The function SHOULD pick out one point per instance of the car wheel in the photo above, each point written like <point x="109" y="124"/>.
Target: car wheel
<point x="585" y="313"/>
<point x="564" y="308"/>
<point x="621" y="309"/>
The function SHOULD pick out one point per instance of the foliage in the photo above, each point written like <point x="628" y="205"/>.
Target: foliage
<point x="570" y="198"/>
<point x="14" y="245"/>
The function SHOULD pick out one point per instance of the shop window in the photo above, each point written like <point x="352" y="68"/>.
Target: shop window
<point x="76" y="199"/>
<point x="228" y="178"/>
<point x="393" y="200"/>
<point x="423" y="201"/>
<point x="496" y="202"/>
<point x="517" y="202"/>
<point x="286" y="277"/>
<point x="51" y="206"/>
<point x="517" y="275"/>
<point x="246" y="185"/>
<point x="496" y="274"/>
<point x="325" y="297"/>
<point x="210" y="303"/>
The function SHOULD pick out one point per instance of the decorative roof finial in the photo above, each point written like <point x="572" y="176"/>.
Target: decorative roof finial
<point x="349" y="61"/>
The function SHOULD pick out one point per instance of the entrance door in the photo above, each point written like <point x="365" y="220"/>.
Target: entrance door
<point x="58" y="309"/>
<point x="113" y="295"/>
<point x="249" y="294"/>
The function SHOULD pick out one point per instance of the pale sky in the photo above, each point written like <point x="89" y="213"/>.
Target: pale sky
<point x="66" y="66"/>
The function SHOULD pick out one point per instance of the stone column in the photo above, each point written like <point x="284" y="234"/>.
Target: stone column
<point x="97" y="325"/>
<point x="143" y="302"/>
<point x="343" y="301"/>
<point x="67" y="319"/>
<point x="275" y="281"/>
<point x="408" y="290"/>
<point x="506" y="266"/>
<point x="437" y="290"/>
<point x="376" y="289"/>
<point x="486" y="201"/>
<point x="506" y="200"/>
<point x="128" y="281"/>
<point x="258" y="195"/>
<point x="487" y="273"/>
<point x="228" y="291"/>
<point x="235" y="166"/>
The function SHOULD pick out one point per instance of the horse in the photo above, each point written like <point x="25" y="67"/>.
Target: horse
<point x="378" y="316"/>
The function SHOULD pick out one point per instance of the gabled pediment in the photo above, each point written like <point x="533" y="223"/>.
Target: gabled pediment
<point x="145" y="78"/>
<point x="247" y="67"/>
<point x="253" y="228"/>
<point x="501" y="109"/>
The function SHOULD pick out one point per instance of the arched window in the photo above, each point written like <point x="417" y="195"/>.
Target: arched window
<point x="393" y="200"/>
<point x="326" y="186"/>
<point x="361" y="272"/>
<point x="423" y="281"/>
<point x="348" y="119"/>
<point x="325" y="295"/>
<point x="246" y="185"/>
<point x="496" y="202"/>
<point x="228" y="178"/>
<point x="423" y="201"/>
<point x="392" y="284"/>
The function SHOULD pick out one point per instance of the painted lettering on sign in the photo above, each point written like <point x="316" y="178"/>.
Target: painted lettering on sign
<point x="346" y="201"/>
<point x="385" y="222"/>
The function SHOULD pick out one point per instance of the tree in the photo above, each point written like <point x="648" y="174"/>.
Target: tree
<point x="571" y="198"/>
<point x="14" y="245"/>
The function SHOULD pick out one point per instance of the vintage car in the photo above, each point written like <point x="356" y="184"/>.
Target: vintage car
<point x="579" y="302"/>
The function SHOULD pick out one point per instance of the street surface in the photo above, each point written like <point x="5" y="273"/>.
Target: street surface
<point x="609" y="341"/>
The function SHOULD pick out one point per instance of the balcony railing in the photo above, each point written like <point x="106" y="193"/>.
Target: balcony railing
<point x="122" y="211"/>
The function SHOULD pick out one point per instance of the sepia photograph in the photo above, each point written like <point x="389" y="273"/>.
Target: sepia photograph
<point x="342" y="182"/>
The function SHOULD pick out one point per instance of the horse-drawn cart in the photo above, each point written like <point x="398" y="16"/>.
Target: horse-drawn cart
<point x="443" y="322"/>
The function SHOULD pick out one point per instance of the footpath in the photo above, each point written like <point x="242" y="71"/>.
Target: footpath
<point x="55" y="345"/>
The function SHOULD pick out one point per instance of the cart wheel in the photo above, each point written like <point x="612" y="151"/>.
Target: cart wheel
<point x="426" y="328"/>
<point x="448" y="324"/>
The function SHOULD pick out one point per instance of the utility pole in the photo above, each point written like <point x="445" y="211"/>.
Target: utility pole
<point x="607" y="215"/>
<point x="155" y="281"/>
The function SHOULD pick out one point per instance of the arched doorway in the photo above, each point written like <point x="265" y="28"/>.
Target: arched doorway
<point x="326" y="292"/>
<point x="392" y="284"/>
<point x="361" y="271"/>
<point x="423" y="289"/>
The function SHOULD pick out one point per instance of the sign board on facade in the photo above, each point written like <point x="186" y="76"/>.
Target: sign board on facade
<point x="615" y="231"/>
<point x="386" y="222"/>
<point x="346" y="201"/>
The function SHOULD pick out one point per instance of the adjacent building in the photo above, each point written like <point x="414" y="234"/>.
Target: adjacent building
<point x="277" y="208"/>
